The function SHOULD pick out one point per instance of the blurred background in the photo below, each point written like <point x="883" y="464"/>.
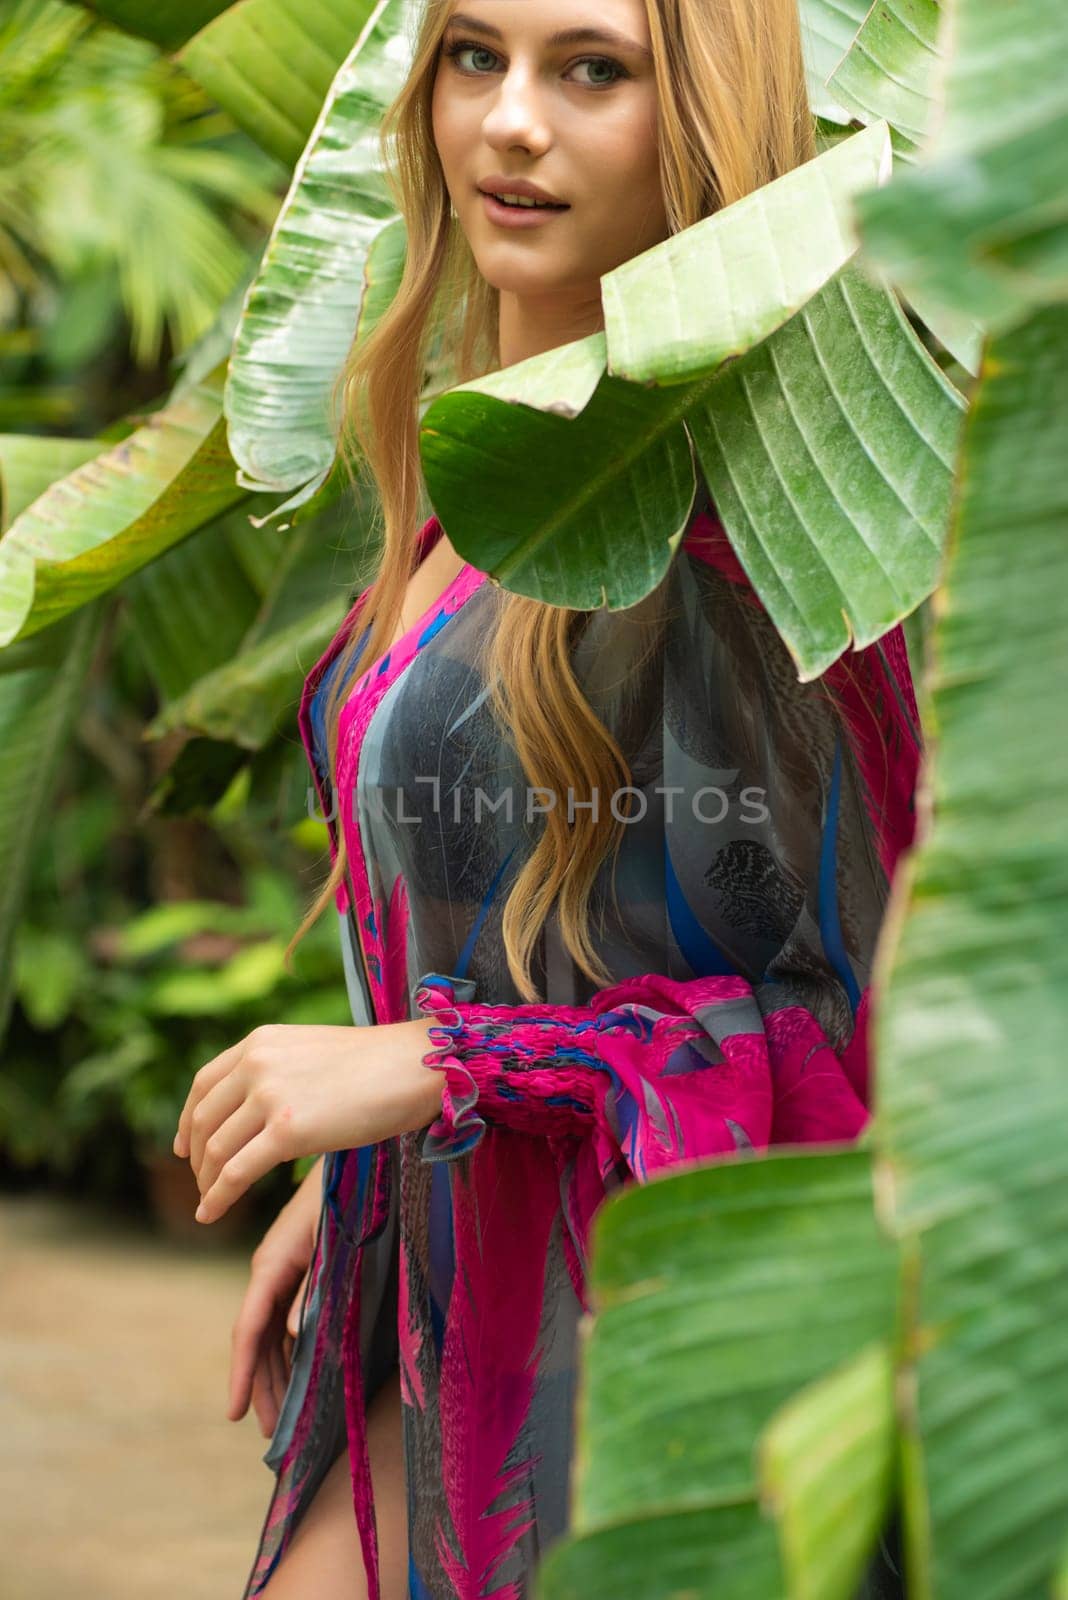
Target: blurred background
<point x="168" y="872"/>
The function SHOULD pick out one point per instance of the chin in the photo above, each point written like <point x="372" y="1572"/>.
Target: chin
<point x="517" y="277"/>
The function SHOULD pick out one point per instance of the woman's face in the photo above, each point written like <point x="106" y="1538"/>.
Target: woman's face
<point x="562" y="94"/>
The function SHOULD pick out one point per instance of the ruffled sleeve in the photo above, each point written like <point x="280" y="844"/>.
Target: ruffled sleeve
<point x="654" y="1070"/>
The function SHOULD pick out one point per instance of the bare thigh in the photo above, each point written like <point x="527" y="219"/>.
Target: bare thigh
<point x="324" y="1556"/>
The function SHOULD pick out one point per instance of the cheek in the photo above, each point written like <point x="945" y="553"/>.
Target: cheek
<point x="446" y="136"/>
<point x="627" y="163"/>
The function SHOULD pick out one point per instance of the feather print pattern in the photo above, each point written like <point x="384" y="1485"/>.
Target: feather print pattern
<point x="490" y="1363"/>
<point x="737" y="1018"/>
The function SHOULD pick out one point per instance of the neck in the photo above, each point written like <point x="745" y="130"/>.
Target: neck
<point x="528" y="326"/>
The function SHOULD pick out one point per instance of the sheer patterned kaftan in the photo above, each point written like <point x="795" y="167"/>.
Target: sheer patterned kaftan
<point x="751" y="884"/>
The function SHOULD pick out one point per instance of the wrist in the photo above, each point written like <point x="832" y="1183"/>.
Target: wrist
<point x="314" y="1175"/>
<point x="307" y="1194"/>
<point x="429" y="1079"/>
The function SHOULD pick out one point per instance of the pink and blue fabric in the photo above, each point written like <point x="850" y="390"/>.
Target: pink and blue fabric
<point x="750" y="886"/>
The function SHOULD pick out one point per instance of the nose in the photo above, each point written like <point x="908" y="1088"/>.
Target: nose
<point x="517" y="117"/>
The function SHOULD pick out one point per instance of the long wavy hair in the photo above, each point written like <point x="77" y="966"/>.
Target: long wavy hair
<point x="733" y="115"/>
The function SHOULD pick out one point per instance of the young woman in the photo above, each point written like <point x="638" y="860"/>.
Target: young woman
<point x="609" y="884"/>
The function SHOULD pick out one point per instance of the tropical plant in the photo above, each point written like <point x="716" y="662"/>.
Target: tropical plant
<point x="888" y="1333"/>
<point x="121" y="184"/>
<point x="119" y="1006"/>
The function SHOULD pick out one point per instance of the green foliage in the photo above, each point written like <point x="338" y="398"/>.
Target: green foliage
<point x="827" y="1469"/>
<point x="702" y="1283"/>
<point x="125" y="507"/>
<point x="828" y="448"/>
<point x="301" y="312"/>
<point x="271" y="62"/>
<point x="972" y="1050"/>
<point x="979" y="228"/>
<point x="39" y="699"/>
<point x="128" y="1008"/>
<point x="891" y="70"/>
<point x="120" y="181"/>
<point x="832" y="1333"/>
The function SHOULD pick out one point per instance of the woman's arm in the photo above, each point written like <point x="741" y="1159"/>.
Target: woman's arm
<point x="289" y="1090"/>
<point x="654" y="1070"/>
<point x="259" y="1368"/>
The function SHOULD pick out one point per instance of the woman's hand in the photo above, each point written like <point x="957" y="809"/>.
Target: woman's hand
<point x="269" y="1318"/>
<point x="289" y="1090"/>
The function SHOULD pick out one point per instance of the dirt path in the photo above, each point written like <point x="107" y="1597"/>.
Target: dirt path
<point x="120" y="1475"/>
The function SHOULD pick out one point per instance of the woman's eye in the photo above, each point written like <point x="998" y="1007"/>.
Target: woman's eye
<point x="604" y="71"/>
<point x="599" y="63"/>
<point x="457" y="50"/>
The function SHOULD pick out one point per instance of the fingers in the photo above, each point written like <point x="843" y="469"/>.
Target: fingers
<point x="258" y="1308"/>
<point x="279" y="1376"/>
<point x="209" y="1116"/>
<point x="269" y="1384"/>
<point x="240" y="1172"/>
<point x="230" y="1137"/>
<point x="263" y="1400"/>
<point x="205" y="1079"/>
<point x="293" y="1316"/>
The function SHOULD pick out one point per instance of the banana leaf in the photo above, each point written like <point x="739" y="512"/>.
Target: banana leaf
<point x="301" y="312"/>
<point x="190" y="609"/>
<point x="42" y="690"/>
<point x="246" y="699"/>
<point x="120" y="510"/>
<point x="828" y="28"/>
<point x="828" y="450"/>
<point x="269" y="63"/>
<point x="29" y="462"/>
<point x="891" y="71"/>
<point x="827" y="1470"/>
<point x="168" y="23"/>
<point x="982" y="227"/>
<point x="973" y="1093"/>
<point x="737" y="1283"/>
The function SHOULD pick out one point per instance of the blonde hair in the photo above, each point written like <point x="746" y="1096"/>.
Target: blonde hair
<point x="733" y="115"/>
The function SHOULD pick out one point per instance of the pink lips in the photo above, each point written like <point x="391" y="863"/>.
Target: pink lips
<point x="498" y="183"/>
<point x="518" y="216"/>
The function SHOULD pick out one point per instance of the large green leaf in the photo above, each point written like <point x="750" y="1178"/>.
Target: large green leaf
<point x="828" y="450"/>
<point x="983" y="228"/>
<point x="891" y="70"/>
<point x="251" y="696"/>
<point x="168" y="23"/>
<point x="669" y="1270"/>
<point x="29" y="462"/>
<point x="718" y="1552"/>
<point x="973" y="1091"/>
<point x="244" y="701"/>
<point x="117" y="512"/>
<point x="579" y="512"/>
<point x="269" y="63"/>
<point x="300" y="314"/>
<point x="828" y="28"/>
<point x="41" y="689"/>
<point x="190" y="609"/>
<point x="585" y="480"/>
<point x="827" y="1463"/>
<point x="683" y="308"/>
<point x="736" y="1284"/>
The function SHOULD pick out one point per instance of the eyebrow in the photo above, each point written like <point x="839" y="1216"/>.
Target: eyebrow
<point x="565" y="37"/>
